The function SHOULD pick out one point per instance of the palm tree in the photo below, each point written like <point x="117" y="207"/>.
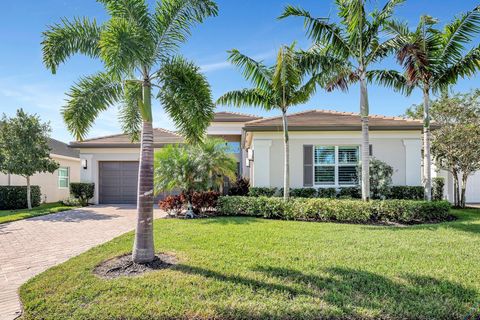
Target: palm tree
<point x="356" y="45"/>
<point x="136" y="47"/>
<point x="434" y="59"/>
<point x="193" y="167"/>
<point x="278" y="87"/>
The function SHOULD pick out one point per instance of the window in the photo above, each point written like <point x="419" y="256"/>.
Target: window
<point x="233" y="147"/>
<point x="336" y="165"/>
<point x="63" y="177"/>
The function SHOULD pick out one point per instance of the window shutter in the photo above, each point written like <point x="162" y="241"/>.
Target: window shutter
<point x="370" y="150"/>
<point x="308" y="165"/>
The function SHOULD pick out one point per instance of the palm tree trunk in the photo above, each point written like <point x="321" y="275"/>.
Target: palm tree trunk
<point x="143" y="250"/>
<point x="364" y="111"/>
<point x="29" y="194"/>
<point x="427" y="160"/>
<point x="286" y="173"/>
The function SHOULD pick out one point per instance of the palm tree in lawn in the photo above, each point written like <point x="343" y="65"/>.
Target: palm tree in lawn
<point x="136" y="46"/>
<point x="433" y="59"/>
<point x="356" y="44"/>
<point x="288" y="83"/>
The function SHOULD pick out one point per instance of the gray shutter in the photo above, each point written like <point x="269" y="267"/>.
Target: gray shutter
<point x="308" y="165"/>
<point x="370" y="150"/>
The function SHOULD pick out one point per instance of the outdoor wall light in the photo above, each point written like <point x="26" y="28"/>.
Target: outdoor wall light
<point x="247" y="163"/>
<point x="84" y="163"/>
<point x="250" y="154"/>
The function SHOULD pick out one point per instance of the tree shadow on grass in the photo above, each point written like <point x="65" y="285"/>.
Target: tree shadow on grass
<point x="409" y="296"/>
<point x="345" y="293"/>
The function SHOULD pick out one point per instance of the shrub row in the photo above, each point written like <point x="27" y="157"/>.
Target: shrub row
<point x="201" y="202"/>
<point x="396" y="192"/>
<point x="15" y="197"/>
<point x="341" y="210"/>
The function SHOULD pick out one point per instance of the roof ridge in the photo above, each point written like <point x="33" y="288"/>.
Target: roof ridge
<point x="240" y="114"/>
<point x="122" y="134"/>
<point x="275" y="117"/>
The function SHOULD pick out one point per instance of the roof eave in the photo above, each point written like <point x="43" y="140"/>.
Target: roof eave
<point x="332" y="128"/>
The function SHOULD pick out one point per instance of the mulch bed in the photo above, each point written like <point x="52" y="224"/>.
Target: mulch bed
<point x="123" y="266"/>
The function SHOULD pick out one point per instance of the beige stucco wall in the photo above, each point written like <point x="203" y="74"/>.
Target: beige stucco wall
<point x="48" y="182"/>
<point x="388" y="146"/>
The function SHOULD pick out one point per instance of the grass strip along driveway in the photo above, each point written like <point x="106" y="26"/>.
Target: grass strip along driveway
<point x="43" y="209"/>
<point x="248" y="268"/>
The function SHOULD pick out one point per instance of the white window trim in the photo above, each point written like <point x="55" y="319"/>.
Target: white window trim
<point x="335" y="165"/>
<point x="68" y="178"/>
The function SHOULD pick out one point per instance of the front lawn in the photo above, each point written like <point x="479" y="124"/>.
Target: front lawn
<point x="43" y="209"/>
<point x="248" y="268"/>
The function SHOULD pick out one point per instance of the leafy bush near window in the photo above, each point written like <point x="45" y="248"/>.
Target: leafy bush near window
<point x="201" y="202"/>
<point x="437" y="188"/>
<point x="304" y="192"/>
<point x="380" y="178"/>
<point x="406" y="192"/>
<point x="240" y="187"/>
<point x="262" y="192"/>
<point x="327" y="193"/>
<point x="350" y="192"/>
<point x="82" y="191"/>
<point x="341" y="210"/>
<point x="15" y="197"/>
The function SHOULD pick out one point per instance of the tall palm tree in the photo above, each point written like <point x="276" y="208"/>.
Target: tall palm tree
<point x="288" y="83"/>
<point x="434" y="59"/>
<point x="356" y="42"/>
<point x="136" y="46"/>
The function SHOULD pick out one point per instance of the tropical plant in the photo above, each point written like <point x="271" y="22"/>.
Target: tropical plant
<point x="456" y="142"/>
<point x="434" y="59"/>
<point x="24" y="148"/>
<point x="288" y="83"/>
<point x="189" y="168"/>
<point x="136" y="46"/>
<point x="355" y="44"/>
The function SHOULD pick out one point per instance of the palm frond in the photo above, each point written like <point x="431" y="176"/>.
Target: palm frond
<point x="135" y="11"/>
<point x="86" y="99"/>
<point x="465" y="67"/>
<point x="390" y="79"/>
<point x="459" y="32"/>
<point x="320" y="30"/>
<point x="247" y="97"/>
<point x="186" y="97"/>
<point x="252" y="70"/>
<point x="287" y="76"/>
<point x="306" y="91"/>
<point x="129" y="112"/>
<point x="61" y="41"/>
<point x="124" y="46"/>
<point x="174" y="19"/>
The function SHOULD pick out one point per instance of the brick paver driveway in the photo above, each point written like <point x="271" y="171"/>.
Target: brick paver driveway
<point x="28" y="247"/>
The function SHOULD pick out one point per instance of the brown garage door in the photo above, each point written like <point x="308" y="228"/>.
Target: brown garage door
<point x="118" y="182"/>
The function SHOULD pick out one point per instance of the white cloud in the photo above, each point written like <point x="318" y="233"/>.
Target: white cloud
<point x="215" y="66"/>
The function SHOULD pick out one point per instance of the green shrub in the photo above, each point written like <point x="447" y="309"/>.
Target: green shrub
<point x="262" y="192"/>
<point x="240" y="187"/>
<point x="82" y="191"/>
<point x="342" y="210"/>
<point x="303" y="192"/>
<point x="15" y="197"/>
<point x="437" y="188"/>
<point x="71" y="202"/>
<point x="406" y="193"/>
<point x="350" y="192"/>
<point x="327" y="193"/>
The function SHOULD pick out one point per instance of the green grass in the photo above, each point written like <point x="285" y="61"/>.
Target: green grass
<point x="247" y="268"/>
<point x="43" y="209"/>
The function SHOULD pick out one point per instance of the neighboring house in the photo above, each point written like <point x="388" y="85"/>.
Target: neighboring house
<point x="324" y="152"/>
<point x="53" y="186"/>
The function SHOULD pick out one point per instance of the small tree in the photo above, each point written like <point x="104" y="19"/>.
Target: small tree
<point x="380" y="178"/>
<point x="24" y="147"/>
<point x="456" y="143"/>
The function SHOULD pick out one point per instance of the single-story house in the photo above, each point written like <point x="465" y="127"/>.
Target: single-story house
<point x="53" y="186"/>
<point x="324" y="152"/>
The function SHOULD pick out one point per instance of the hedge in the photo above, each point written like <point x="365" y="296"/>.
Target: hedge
<point x="341" y="210"/>
<point x="407" y="192"/>
<point x="15" y="197"/>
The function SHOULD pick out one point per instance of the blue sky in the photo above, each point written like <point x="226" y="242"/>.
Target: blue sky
<point x="248" y="25"/>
